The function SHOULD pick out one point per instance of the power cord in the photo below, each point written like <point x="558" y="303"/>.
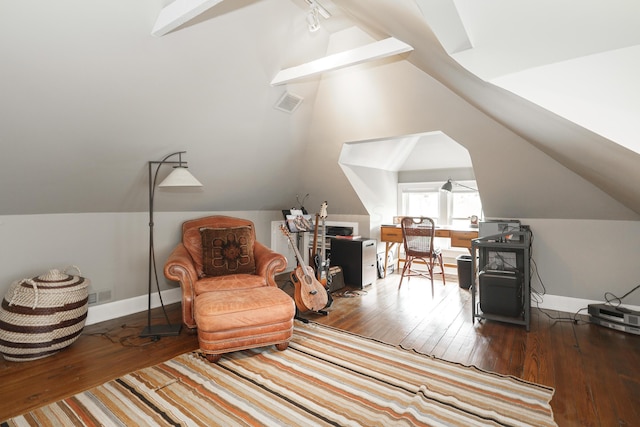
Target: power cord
<point x="537" y="296"/>
<point x="619" y="300"/>
<point x="126" y="340"/>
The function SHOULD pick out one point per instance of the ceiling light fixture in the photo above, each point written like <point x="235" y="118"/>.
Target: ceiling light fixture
<point x="321" y="9"/>
<point x="313" y="21"/>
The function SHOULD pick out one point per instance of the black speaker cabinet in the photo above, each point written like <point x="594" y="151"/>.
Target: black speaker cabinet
<point x="501" y="292"/>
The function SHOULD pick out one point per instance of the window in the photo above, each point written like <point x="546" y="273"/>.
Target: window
<point x="421" y="204"/>
<point x="426" y="199"/>
<point x="464" y="205"/>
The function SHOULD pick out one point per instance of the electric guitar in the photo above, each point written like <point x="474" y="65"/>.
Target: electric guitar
<point x="322" y="261"/>
<point x="309" y="294"/>
<point x="313" y="253"/>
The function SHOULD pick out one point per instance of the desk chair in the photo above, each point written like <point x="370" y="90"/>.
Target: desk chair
<point x="417" y="236"/>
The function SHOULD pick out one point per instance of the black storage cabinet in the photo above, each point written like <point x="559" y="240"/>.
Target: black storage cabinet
<point x="358" y="258"/>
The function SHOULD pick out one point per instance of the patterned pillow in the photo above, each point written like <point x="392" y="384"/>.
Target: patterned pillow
<point x="227" y="251"/>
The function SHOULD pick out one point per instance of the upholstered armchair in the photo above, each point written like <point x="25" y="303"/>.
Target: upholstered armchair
<point x="225" y="263"/>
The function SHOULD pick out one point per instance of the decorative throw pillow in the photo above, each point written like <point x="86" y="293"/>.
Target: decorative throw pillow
<point x="227" y="251"/>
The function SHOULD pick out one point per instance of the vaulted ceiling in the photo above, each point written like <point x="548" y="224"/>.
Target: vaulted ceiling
<point x="89" y="96"/>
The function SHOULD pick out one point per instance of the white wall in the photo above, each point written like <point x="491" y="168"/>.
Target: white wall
<point x="111" y="249"/>
<point x="578" y="260"/>
<point x="584" y="259"/>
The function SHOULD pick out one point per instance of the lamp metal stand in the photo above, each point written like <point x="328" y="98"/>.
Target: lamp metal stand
<point x="168" y="329"/>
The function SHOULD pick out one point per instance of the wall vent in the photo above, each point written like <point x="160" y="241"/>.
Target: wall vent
<point x="99" y="297"/>
<point x="288" y="102"/>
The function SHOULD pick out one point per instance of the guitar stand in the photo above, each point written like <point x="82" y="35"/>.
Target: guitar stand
<point x="304" y="320"/>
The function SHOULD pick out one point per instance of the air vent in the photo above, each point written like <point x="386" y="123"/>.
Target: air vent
<point x="99" y="297"/>
<point x="288" y="102"/>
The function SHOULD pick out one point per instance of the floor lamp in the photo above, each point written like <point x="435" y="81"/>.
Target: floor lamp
<point x="179" y="177"/>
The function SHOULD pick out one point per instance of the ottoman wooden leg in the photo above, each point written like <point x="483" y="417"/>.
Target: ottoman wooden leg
<point x="282" y="346"/>
<point x="213" y="358"/>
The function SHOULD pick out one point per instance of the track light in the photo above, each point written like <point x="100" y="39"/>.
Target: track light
<point x="313" y="20"/>
<point x="321" y="9"/>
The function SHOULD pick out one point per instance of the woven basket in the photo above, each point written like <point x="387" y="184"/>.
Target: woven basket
<point x="43" y="315"/>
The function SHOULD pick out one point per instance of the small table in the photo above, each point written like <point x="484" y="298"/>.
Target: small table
<point x="517" y="243"/>
<point x="461" y="237"/>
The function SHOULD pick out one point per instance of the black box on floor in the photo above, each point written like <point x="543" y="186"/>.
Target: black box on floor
<point x="337" y="278"/>
<point x="501" y="292"/>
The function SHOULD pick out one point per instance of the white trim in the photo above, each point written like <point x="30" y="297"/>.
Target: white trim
<point x="570" y="305"/>
<point x="177" y="13"/>
<point x="376" y="50"/>
<point x="113" y="310"/>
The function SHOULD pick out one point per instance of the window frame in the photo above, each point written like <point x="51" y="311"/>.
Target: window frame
<point x="445" y="200"/>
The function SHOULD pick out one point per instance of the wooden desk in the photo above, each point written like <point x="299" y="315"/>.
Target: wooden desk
<point x="460" y="238"/>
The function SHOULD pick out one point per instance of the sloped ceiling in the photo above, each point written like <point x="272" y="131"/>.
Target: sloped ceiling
<point x="89" y="96"/>
<point x="609" y="166"/>
<point x="577" y="58"/>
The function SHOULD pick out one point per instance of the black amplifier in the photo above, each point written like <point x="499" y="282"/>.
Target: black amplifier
<point x="336" y="278"/>
<point x="334" y="230"/>
<point x="501" y="292"/>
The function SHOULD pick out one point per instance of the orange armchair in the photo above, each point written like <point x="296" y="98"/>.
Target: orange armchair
<point x="191" y="266"/>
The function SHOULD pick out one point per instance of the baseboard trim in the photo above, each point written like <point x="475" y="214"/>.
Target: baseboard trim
<point x="569" y="304"/>
<point x="113" y="310"/>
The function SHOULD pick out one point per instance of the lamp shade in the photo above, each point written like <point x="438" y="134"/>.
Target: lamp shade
<point x="180" y="177"/>
<point x="448" y="186"/>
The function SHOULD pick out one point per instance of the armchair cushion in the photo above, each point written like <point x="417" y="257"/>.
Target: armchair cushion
<point x="227" y="251"/>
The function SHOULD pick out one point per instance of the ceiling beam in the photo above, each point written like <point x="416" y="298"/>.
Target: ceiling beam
<point x="177" y="13"/>
<point x="377" y="50"/>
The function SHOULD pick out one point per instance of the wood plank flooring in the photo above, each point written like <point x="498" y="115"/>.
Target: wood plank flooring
<point x="595" y="371"/>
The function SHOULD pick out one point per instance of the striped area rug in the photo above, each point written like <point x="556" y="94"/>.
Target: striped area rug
<point x="325" y="377"/>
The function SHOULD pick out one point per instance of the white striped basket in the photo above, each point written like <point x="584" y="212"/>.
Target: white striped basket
<point x="43" y="315"/>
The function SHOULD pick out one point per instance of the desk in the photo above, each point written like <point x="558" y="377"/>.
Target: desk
<point x="460" y="238"/>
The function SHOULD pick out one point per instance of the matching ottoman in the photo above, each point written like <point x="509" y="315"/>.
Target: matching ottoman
<point x="234" y="320"/>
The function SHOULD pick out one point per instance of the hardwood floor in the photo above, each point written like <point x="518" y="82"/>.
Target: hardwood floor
<point x="595" y="371"/>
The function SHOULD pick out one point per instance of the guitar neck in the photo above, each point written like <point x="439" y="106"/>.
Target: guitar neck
<point x="297" y="252"/>
<point x="323" y="215"/>
<point x="323" y="242"/>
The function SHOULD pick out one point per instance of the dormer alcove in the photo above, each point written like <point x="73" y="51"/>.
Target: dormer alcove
<point x="376" y="167"/>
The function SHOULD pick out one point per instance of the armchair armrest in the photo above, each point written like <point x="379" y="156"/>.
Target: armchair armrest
<point x="180" y="268"/>
<point x="268" y="262"/>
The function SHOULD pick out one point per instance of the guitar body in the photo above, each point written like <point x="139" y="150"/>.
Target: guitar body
<point x="309" y="294"/>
